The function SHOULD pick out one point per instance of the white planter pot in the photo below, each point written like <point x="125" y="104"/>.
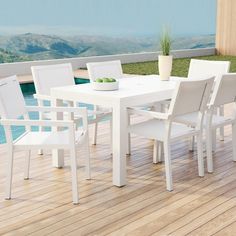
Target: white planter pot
<point x="165" y="66"/>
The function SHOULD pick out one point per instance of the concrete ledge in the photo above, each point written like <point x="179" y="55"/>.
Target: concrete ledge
<point x="23" y="68"/>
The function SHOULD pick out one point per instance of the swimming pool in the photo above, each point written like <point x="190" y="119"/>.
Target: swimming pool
<point x="28" y="91"/>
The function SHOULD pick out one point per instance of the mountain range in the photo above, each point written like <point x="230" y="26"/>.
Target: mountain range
<point x="24" y="47"/>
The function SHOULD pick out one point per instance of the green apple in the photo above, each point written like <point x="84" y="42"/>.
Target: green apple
<point x="110" y="80"/>
<point x="106" y="80"/>
<point x="99" y="80"/>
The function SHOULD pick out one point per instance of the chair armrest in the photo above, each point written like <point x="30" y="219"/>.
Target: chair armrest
<point x="42" y="97"/>
<point x="45" y="123"/>
<point x="149" y="114"/>
<point x="78" y="110"/>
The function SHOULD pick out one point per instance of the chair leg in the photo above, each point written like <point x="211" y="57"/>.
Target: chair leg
<point x="222" y="133"/>
<point x="157" y="152"/>
<point x="167" y="154"/>
<point x="214" y="140"/>
<point x="87" y="158"/>
<point x="200" y="156"/>
<point x="95" y="133"/>
<point x="160" y="152"/>
<point x="40" y="152"/>
<point x="27" y="165"/>
<point x="74" y="176"/>
<point x="41" y="117"/>
<point x="128" y="152"/>
<point x="191" y="144"/>
<point x="9" y="174"/>
<point x="234" y="141"/>
<point x="111" y="137"/>
<point x="209" y="150"/>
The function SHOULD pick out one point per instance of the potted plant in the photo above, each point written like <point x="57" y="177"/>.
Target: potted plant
<point x="165" y="59"/>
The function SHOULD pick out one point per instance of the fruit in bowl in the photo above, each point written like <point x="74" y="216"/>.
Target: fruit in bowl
<point x="105" y="80"/>
<point x="105" y="84"/>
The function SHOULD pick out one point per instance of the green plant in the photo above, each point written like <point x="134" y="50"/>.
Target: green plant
<point x="165" y="43"/>
<point x="180" y="66"/>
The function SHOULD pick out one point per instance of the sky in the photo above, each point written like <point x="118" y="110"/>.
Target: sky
<point x="108" y="17"/>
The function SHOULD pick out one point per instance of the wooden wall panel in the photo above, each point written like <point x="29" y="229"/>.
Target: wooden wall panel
<point x="226" y="27"/>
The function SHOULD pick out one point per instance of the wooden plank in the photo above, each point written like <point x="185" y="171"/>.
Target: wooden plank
<point x="78" y="218"/>
<point x="219" y="222"/>
<point x="42" y="205"/>
<point x="226" y="27"/>
<point x="227" y="230"/>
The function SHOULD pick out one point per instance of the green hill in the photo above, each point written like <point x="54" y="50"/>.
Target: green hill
<point x="39" y="46"/>
<point x="43" y="47"/>
<point x="6" y="57"/>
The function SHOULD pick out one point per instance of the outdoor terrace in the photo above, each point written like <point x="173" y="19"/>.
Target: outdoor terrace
<point x="197" y="206"/>
<point x="42" y="205"/>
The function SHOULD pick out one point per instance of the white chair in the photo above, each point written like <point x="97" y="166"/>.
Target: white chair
<point x="204" y="69"/>
<point x="111" y="69"/>
<point x="224" y="93"/>
<point x="189" y="97"/>
<point x="50" y="76"/>
<point x="12" y="107"/>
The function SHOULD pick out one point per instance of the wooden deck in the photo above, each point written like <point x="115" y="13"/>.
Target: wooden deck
<point x="197" y="206"/>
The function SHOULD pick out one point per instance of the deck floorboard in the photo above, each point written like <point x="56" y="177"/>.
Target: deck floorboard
<point x="197" y="206"/>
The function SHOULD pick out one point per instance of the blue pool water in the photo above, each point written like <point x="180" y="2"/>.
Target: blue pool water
<point x="28" y="91"/>
<point x="18" y="130"/>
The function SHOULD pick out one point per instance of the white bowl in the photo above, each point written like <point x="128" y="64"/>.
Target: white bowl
<point x="108" y="86"/>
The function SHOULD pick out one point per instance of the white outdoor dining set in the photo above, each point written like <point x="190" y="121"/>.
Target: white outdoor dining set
<point x="190" y="107"/>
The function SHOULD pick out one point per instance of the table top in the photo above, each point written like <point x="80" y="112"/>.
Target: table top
<point x="129" y="88"/>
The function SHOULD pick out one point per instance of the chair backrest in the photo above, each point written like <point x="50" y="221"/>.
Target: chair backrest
<point x="206" y="69"/>
<point x="51" y="76"/>
<point x="111" y="69"/>
<point x="224" y="90"/>
<point x="191" y="96"/>
<point x="12" y="103"/>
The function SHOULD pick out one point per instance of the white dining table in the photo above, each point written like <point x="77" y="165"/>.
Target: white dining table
<point x="134" y="91"/>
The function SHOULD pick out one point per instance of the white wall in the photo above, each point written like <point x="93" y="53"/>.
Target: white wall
<point x="23" y="68"/>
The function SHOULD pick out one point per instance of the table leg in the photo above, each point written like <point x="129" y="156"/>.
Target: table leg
<point x="57" y="154"/>
<point x="120" y="143"/>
